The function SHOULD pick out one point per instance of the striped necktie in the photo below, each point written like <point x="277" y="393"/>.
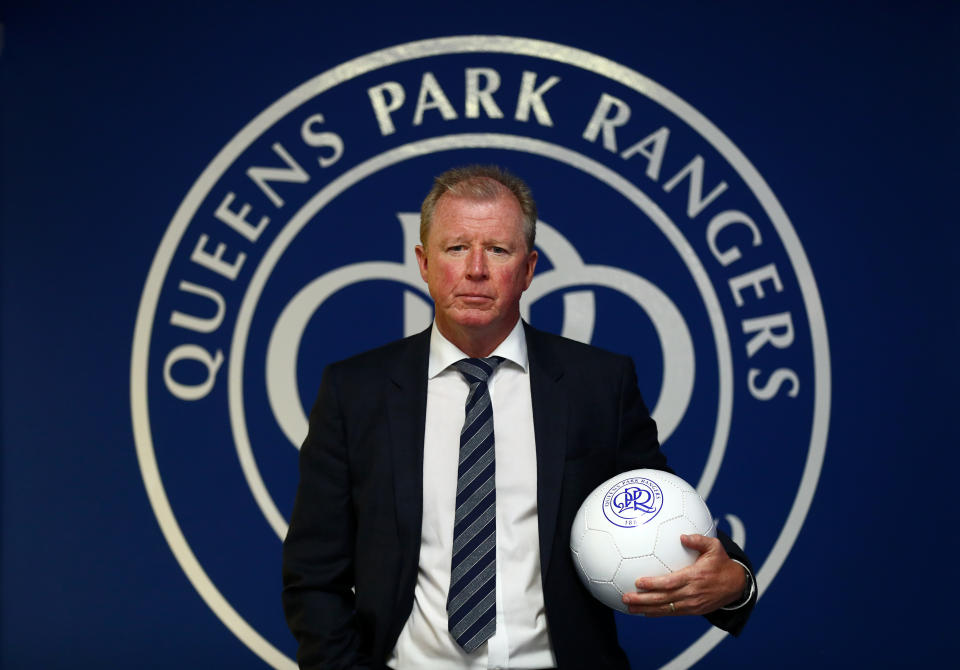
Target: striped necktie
<point x="471" y="601"/>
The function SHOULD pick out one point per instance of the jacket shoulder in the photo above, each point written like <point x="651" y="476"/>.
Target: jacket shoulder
<point x="391" y="351"/>
<point x="572" y="352"/>
<point x="401" y="360"/>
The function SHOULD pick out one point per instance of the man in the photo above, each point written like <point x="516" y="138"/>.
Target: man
<point x="406" y="548"/>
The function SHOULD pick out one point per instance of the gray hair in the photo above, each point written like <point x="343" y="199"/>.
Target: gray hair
<point x="480" y="182"/>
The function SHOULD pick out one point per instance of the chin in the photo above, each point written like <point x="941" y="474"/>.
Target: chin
<point x="478" y="322"/>
<point x="475" y="318"/>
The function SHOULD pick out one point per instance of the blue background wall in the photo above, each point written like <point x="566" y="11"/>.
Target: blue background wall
<point x="111" y="112"/>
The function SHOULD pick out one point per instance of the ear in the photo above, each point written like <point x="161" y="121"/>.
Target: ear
<point x="421" y="260"/>
<point x="531" y="265"/>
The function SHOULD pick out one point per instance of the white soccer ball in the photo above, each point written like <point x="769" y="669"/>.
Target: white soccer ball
<point x="630" y="527"/>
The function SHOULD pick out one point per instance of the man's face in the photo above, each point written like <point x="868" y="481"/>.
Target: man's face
<point x="476" y="265"/>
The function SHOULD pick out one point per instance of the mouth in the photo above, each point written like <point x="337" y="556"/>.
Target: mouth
<point x="474" y="299"/>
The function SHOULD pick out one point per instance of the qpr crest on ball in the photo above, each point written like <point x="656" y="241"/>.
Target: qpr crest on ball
<point x="632" y="501"/>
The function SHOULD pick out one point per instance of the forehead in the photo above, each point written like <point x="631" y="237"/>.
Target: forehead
<point x="460" y="215"/>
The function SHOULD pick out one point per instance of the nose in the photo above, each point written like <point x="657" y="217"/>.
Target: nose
<point x="477" y="264"/>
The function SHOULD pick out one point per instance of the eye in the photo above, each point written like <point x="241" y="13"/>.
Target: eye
<point x="498" y="250"/>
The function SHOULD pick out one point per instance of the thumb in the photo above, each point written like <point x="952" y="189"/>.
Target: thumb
<point x="699" y="543"/>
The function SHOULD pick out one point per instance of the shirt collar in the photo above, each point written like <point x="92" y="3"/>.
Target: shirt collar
<point x="444" y="353"/>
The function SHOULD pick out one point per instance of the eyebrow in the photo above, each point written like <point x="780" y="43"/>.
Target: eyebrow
<point x="491" y="241"/>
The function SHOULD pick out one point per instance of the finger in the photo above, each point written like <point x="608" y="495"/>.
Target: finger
<point x="669" y="608"/>
<point x="668" y="582"/>
<point x="651" y="600"/>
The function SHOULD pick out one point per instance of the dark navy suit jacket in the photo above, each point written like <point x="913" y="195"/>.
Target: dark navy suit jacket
<point x="356" y="521"/>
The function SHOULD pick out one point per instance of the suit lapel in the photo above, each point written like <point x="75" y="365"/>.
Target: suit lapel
<point x="406" y="413"/>
<point x="550" y="427"/>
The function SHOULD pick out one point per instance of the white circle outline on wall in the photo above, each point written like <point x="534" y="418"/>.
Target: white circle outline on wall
<point x="518" y="46"/>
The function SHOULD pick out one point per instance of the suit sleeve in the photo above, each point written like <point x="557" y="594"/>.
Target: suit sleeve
<point x="641" y="449"/>
<point x="637" y="432"/>
<point x="318" y="552"/>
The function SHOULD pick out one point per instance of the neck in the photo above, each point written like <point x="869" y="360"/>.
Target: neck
<point x="474" y="343"/>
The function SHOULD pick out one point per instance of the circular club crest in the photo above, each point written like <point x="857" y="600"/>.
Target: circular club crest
<point x="294" y="248"/>
<point x="633" y="501"/>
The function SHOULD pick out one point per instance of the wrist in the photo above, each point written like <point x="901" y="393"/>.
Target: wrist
<point x="749" y="588"/>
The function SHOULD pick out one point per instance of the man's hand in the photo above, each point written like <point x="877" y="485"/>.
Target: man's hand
<point x="712" y="582"/>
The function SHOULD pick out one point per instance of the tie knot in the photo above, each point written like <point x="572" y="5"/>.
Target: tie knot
<point x="478" y="369"/>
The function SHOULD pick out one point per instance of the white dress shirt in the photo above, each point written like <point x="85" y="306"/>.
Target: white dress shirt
<point x="521" y="639"/>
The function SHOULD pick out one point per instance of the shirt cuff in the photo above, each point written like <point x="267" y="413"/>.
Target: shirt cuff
<point x="753" y="589"/>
